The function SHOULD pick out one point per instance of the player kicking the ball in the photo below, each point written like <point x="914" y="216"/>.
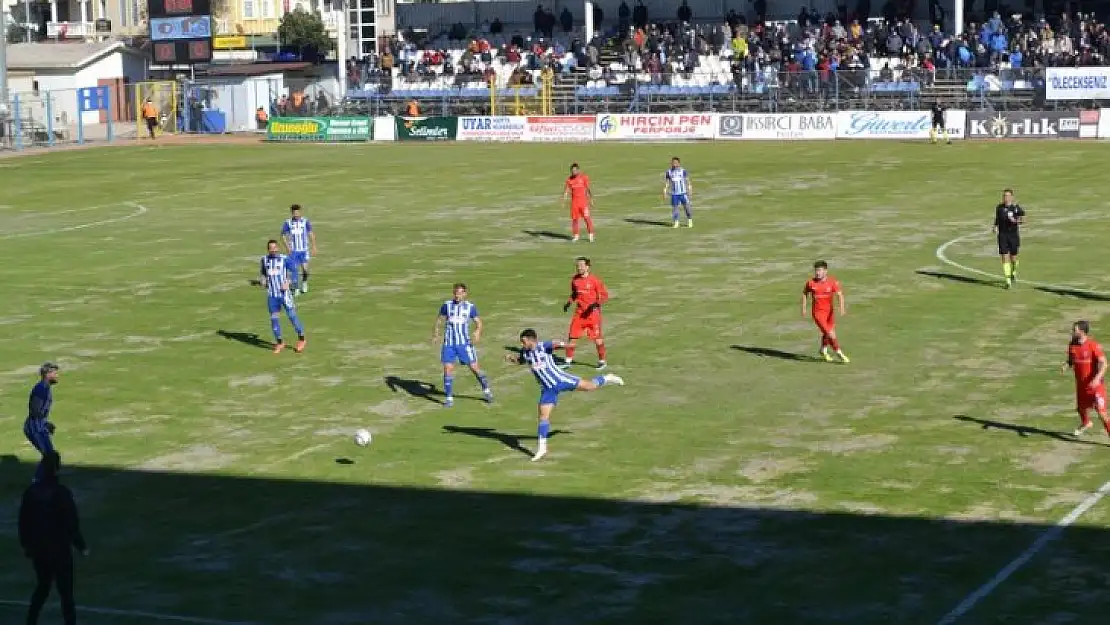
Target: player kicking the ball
<point x="820" y="290"/>
<point x="552" y="380"/>
<point x="1087" y="360"/>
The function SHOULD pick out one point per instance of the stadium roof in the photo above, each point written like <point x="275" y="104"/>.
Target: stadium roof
<point x="24" y="56"/>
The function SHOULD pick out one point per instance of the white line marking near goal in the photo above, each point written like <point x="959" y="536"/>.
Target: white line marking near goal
<point x="138" y="614"/>
<point x="139" y="210"/>
<point x="942" y="256"/>
<point x="1042" y="541"/>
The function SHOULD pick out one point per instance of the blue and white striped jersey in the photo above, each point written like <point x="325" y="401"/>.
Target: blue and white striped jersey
<point x="275" y="272"/>
<point x="458" y="315"/>
<point x="679" y="179"/>
<point x="547" y="373"/>
<point x="296" y="231"/>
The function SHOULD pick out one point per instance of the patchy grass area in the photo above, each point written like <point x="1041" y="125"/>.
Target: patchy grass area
<point x="734" y="480"/>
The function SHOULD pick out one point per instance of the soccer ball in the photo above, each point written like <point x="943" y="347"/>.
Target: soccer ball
<point x="362" y="438"/>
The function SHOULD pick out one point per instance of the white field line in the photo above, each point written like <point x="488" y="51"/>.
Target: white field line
<point x="139" y="210"/>
<point x="1049" y="534"/>
<point x="1038" y="545"/>
<point x="942" y="256"/>
<point x="155" y="196"/>
<point x="140" y="615"/>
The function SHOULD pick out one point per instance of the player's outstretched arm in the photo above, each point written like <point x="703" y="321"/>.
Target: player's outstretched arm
<point x="477" y="330"/>
<point x="840" y="298"/>
<point x="515" y="358"/>
<point x="805" y="303"/>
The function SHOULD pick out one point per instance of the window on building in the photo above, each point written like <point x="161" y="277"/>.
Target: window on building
<point x="267" y="8"/>
<point x="367" y="17"/>
<point x="249" y="11"/>
<point x="367" y="47"/>
<point x="368" y="31"/>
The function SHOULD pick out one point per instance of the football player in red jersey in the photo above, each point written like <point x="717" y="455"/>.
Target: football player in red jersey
<point x="577" y="190"/>
<point x="1087" y="360"/>
<point x="820" y="290"/>
<point x="587" y="295"/>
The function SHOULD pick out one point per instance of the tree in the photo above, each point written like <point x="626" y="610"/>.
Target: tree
<point x="305" y="31"/>
<point x="16" y="33"/>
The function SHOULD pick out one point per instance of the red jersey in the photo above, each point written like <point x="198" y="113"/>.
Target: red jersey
<point x="577" y="186"/>
<point x="586" y="291"/>
<point x="1084" y="359"/>
<point x="822" y="292"/>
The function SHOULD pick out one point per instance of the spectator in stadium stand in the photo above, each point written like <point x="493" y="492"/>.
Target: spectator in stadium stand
<point x="412" y="109"/>
<point x="566" y="20"/>
<point x="262" y="118"/>
<point x="624" y="16"/>
<point x="496" y="27"/>
<point x="640" y="15"/>
<point x="684" y="13"/>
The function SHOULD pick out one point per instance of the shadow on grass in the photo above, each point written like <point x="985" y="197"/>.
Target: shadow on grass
<point x="512" y="441"/>
<point x="1026" y="430"/>
<point x="771" y="352"/>
<point x="220" y="549"/>
<point x="547" y="234"/>
<point x="1076" y="293"/>
<point x="953" y="277"/>
<point x="648" y="222"/>
<point x="246" y="338"/>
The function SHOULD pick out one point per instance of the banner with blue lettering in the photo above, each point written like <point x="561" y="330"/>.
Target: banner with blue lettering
<point x="1077" y="83"/>
<point x="492" y="128"/>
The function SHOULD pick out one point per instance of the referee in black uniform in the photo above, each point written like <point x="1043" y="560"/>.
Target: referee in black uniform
<point x="49" y="531"/>
<point x="939" y="126"/>
<point x="1008" y="218"/>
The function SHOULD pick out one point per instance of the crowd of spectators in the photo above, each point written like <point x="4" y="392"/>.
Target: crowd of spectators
<point x="810" y="52"/>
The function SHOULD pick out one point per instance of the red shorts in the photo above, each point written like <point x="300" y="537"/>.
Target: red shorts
<point x="590" y="326"/>
<point x="579" y="211"/>
<point x="1086" y="399"/>
<point x="825" y="320"/>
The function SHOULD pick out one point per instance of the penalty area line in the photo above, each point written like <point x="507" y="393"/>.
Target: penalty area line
<point x="942" y="256"/>
<point x="139" y="210"/>
<point x="1017" y="563"/>
<point x="138" y="614"/>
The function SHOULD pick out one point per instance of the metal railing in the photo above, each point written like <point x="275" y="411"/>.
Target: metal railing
<point x="767" y="91"/>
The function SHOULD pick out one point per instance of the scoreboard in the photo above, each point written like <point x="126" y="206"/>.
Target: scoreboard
<point x="180" y="31"/>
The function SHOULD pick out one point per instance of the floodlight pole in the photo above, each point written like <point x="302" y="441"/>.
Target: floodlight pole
<point x="3" y="65"/>
<point x="26" y="21"/>
<point x="343" y="31"/>
<point x="958" y="18"/>
<point x="589" y="10"/>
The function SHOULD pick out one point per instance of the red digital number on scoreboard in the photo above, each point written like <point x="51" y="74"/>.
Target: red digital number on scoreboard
<point x="199" y="51"/>
<point x="165" y="53"/>
<point x="179" y="6"/>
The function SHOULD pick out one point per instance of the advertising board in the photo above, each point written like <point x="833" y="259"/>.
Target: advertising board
<point x="498" y="128"/>
<point x="320" y="129"/>
<point x="883" y="124"/>
<point x="560" y="128"/>
<point x="1077" y="83"/>
<point x="427" y="128"/>
<point x="1023" y="125"/>
<point x="669" y="126"/>
<point x="781" y="126"/>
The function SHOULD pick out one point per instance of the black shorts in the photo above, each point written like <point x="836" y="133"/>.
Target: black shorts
<point x="1008" y="243"/>
<point x="938" y="122"/>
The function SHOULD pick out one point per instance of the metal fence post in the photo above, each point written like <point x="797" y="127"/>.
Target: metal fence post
<point x="49" y="120"/>
<point x="80" y="120"/>
<point x="110" y="113"/>
<point x="17" y="123"/>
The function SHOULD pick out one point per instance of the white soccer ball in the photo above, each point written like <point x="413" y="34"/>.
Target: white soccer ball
<point x="363" y="438"/>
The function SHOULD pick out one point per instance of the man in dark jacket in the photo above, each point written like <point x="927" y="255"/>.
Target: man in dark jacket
<point x="49" y="531"/>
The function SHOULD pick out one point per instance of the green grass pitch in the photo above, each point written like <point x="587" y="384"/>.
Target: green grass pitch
<point x="732" y="481"/>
